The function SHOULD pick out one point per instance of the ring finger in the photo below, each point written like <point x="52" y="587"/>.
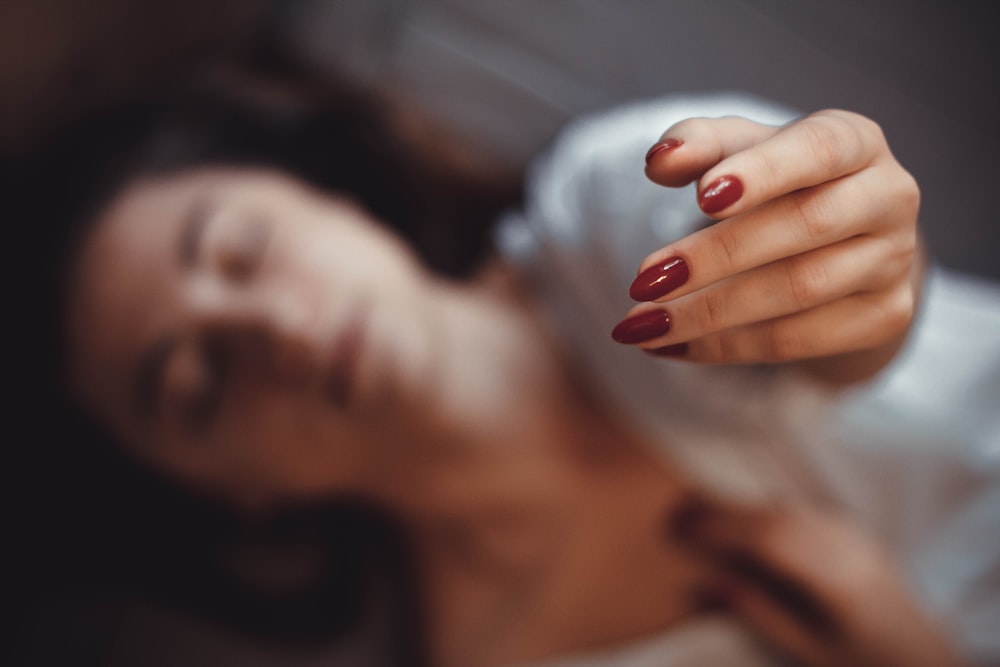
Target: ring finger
<point x="791" y="285"/>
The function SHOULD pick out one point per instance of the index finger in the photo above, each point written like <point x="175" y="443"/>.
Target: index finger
<point x="818" y="148"/>
<point x="693" y="146"/>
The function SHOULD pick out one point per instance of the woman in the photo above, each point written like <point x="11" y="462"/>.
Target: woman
<point x="266" y="341"/>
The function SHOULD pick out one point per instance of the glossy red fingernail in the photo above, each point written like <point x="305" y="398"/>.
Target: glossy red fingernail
<point x="642" y="327"/>
<point x="659" y="280"/>
<point x="676" y="350"/>
<point x="720" y="193"/>
<point x="662" y="146"/>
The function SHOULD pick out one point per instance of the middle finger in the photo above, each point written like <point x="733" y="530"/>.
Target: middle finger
<point x="791" y="285"/>
<point x="790" y="225"/>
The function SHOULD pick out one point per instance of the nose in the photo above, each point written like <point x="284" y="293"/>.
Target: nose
<point x="265" y="335"/>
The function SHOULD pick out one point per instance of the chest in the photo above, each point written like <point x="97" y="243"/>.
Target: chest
<point x="593" y="567"/>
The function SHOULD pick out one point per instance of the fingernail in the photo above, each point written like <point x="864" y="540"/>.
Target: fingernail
<point x="642" y="327"/>
<point x="662" y="146"/>
<point x="659" y="280"/>
<point x="676" y="350"/>
<point x="720" y="193"/>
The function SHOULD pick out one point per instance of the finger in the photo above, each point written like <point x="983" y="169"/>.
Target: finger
<point x="691" y="147"/>
<point x="812" y="150"/>
<point x="792" y="285"/>
<point x="791" y="589"/>
<point x="878" y="200"/>
<point x="779" y="624"/>
<point x="807" y="558"/>
<point x="860" y="321"/>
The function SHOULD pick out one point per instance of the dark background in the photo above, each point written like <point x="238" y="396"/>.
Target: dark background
<point x="508" y="75"/>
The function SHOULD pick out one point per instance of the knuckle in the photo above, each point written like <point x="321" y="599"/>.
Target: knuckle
<point x="889" y="314"/>
<point x="711" y="349"/>
<point x="807" y="281"/>
<point x="899" y="310"/>
<point x="895" y="265"/>
<point x="815" y="213"/>
<point x="907" y="195"/>
<point x="724" y="347"/>
<point x="902" y="253"/>
<point x="714" y="311"/>
<point x="731" y="248"/>
<point x="862" y="124"/>
<point x="730" y="349"/>
<point x="768" y="169"/>
<point x="898" y="186"/>
<point x="857" y="125"/>
<point x="824" y="134"/>
<point x="782" y="344"/>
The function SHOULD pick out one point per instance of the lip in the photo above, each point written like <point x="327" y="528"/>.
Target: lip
<point x="341" y="377"/>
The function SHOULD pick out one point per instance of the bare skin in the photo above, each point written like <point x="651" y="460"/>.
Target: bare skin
<point x="268" y="343"/>
<point x="816" y="586"/>
<point x="814" y="258"/>
<point x="511" y="519"/>
<point x="585" y="562"/>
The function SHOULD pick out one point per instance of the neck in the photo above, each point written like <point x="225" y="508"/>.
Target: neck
<point x="521" y="489"/>
<point x="522" y="557"/>
<point x="506" y="425"/>
<point x="495" y="397"/>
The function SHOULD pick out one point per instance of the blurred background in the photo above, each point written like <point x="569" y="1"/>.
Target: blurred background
<point x="509" y="74"/>
<point x="505" y="75"/>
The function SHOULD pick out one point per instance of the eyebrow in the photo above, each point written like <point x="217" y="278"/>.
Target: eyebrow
<point x="192" y="230"/>
<point x="148" y="383"/>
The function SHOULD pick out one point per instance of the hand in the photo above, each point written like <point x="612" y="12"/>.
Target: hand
<point x="814" y="255"/>
<point x="814" y="586"/>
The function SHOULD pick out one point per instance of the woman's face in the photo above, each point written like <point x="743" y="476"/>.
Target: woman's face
<point x="246" y="333"/>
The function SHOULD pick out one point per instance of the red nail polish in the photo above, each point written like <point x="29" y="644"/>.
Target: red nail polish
<point x="662" y="146"/>
<point x="659" y="280"/>
<point x="642" y="327"/>
<point x="721" y="193"/>
<point x="675" y="350"/>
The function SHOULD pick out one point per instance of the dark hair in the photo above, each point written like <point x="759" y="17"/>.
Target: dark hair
<point x="439" y="194"/>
